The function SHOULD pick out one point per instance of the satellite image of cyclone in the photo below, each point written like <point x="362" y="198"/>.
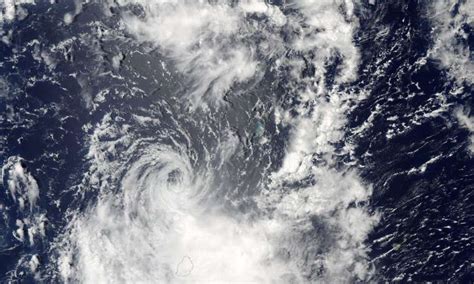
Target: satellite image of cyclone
<point x="236" y="141"/>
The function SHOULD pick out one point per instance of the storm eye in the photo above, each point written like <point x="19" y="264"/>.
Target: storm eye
<point x="175" y="177"/>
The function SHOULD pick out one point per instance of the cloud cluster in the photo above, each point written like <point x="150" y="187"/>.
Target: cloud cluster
<point x="154" y="218"/>
<point x="21" y="184"/>
<point x="206" y="42"/>
<point x="24" y="191"/>
<point x="451" y="47"/>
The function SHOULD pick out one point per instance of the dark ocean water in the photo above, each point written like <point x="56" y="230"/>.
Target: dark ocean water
<point x="60" y="86"/>
<point x="428" y="214"/>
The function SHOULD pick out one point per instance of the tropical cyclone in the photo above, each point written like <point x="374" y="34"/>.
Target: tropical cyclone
<point x="180" y="141"/>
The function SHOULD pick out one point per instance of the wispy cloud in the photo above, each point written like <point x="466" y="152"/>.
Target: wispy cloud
<point x="207" y="43"/>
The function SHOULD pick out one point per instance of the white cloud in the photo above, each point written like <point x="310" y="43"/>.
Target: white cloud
<point x="24" y="191"/>
<point x="327" y="32"/>
<point x="22" y="185"/>
<point x="158" y="218"/>
<point x="11" y="9"/>
<point x="207" y="43"/>
<point x="331" y="201"/>
<point x="467" y="122"/>
<point x="450" y="47"/>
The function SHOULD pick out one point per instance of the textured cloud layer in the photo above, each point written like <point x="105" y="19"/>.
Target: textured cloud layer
<point x="160" y="224"/>
<point x="451" y="47"/>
